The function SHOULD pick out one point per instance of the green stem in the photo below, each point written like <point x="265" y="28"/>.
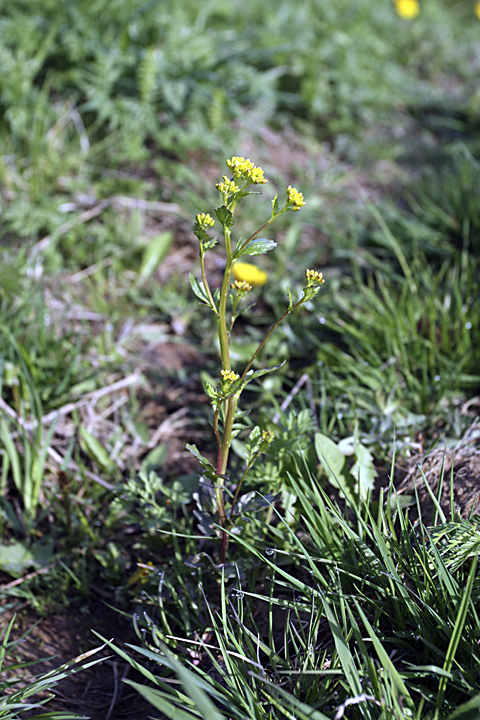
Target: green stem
<point x="205" y="283"/>
<point x="268" y="335"/>
<point x="269" y="222"/>
<point x="222" y="306"/>
<point x="237" y="491"/>
<point x="222" y="515"/>
<point x="230" y="410"/>
<point x="217" y="437"/>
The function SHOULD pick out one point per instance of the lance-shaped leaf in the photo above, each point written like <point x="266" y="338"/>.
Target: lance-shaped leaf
<point x="275" y="207"/>
<point x="210" y="471"/>
<point x="199" y="289"/>
<point x="259" y="246"/>
<point x="254" y="374"/>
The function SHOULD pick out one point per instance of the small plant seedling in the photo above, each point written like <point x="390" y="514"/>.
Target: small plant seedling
<point x="225" y="303"/>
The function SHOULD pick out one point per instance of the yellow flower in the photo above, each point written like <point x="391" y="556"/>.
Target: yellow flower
<point x="314" y="278"/>
<point x="249" y="273"/>
<point x="243" y="170"/>
<point x="294" y="198"/>
<point x="141" y="574"/>
<point x="227" y="186"/>
<point x="204" y="220"/>
<point x="241" y="286"/>
<point x="407" y="9"/>
<point x="476" y="10"/>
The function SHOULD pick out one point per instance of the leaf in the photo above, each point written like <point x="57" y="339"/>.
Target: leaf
<point x="209" y="390"/>
<point x="154" y="460"/>
<point x="275" y="206"/>
<point x="192" y="686"/>
<point x="159" y="701"/>
<point x="199" y="290"/>
<point x="18" y="556"/>
<point x="12" y="454"/>
<point x="260" y="246"/>
<point x="153" y="254"/>
<point x="468" y="711"/>
<point x="254" y="374"/>
<point x="290" y="299"/>
<point x="94" y="449"/>
<point x="252" y="501"/>
<point x="364" y="470"/>
<point x="253" y="443"/>
<point x="225" y="216"/>
<point x="333" y="462"/>
<point x="204" y="462"/>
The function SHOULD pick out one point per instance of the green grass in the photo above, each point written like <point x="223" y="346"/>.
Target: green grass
<point x="370" y="612"/>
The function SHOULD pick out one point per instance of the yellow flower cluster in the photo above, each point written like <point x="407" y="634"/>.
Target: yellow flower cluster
<point x="243" y="170"/>
<point x="476" y="10"/>
<point x="314" y="278"/>
<point x="241" y="286"/>
<point x="227" y="379"/>
<point x="294" y="198"/>
<point x="407" y="9"/>
<point x="204" y="220"/>
<point x="267" y="436"/>
<point x="227" y="187"/>
<point x="249" y="273"/>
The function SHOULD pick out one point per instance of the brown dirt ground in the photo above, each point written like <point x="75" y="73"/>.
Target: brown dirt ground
<point x="97" y="692"/>
<point x="461" y="463"/>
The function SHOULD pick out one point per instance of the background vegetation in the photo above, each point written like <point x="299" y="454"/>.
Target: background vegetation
<point x="116" y="117"/>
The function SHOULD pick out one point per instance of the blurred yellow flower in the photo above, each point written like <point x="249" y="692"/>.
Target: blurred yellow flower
<point x="249" y="273"/>
<point x="407" y="9"/>
<point x="141" y="574"/>
<point x="476" y="10"/>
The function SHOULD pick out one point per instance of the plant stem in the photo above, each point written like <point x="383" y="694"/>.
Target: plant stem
<point x="205" y="283"/>
<point x="230" y="409"/>
<point x="222" y="307"/>
<point x="269" y="222"/>
<point x="268" y="335"/>
<point x="217" y="437"/>
<point x="230" y="403"/>
<point x="237" y="491"/>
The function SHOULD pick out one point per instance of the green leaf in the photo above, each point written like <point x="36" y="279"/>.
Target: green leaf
<point x="199" y="289"/>
<point x="225" y="216"/>
<point x="461" y="616"/>
<point x="94" y="449"/>
<point x="204" y="462"/>
<point x="12" y="454"/>
<point x="209" y="390"/>
<point x="159" y="701"/>
<point x="331" y="457"/>
<point x="385" y="661"/>
<point x="153" y="254"/>
<point x="154" y="460"/>
<point x="18" y="556"/>
<point x="344" y="655"/>
<point x="191" y="685"/>
<point x="468" y="711"/>
<point x="260" y="246"/>
<point x="254" y="374"/>
<point x="364" y="470"/>
<point x="334" y="464"/>
<point x="275" y="206"/>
